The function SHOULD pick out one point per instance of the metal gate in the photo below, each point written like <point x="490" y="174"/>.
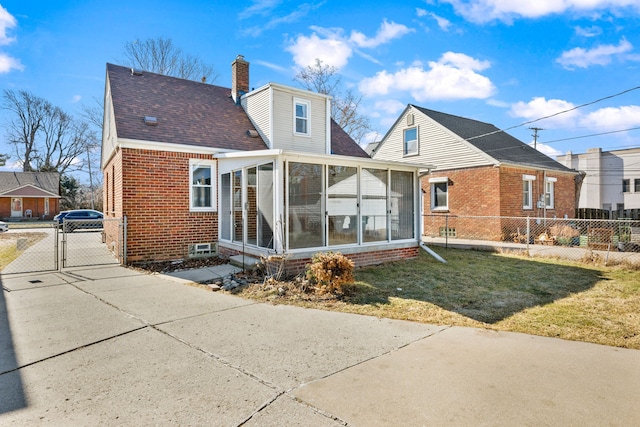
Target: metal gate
<point x="45" y="246"/>
<point x="92" y="242"/>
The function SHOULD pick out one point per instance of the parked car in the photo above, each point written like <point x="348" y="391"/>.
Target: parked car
<point x="4" y="226"/>
<point x="79" y="219"/>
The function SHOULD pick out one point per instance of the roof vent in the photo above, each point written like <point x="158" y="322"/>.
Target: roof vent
<point x="253" y="133"/>
<point x="150" y="121"/>
<point x="136" y="72"/>
<point x="409" y="119"/>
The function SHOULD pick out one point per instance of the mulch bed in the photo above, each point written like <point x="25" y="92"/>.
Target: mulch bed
<point x="179" y="265"/>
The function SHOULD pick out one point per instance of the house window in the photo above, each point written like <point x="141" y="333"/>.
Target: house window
<point x="202" y="188"/>
<point x="636" y="185"/>
<point x="549" y="193"/>
<point x="439" y="193"/>
<point x="301" y="119"/>
<point x="625" y="185"/>
<point x="527" y="191"/>
<point x="410" y="141"/>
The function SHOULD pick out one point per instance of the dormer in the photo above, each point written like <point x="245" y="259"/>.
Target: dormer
<point x="287" y="118"/>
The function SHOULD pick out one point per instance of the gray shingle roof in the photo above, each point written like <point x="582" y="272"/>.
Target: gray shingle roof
<point x="190" y="113"/>
<point x="497" y="144"/>
<point x="48" y="181"/>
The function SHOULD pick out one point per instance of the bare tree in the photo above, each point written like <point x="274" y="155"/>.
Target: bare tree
<point x="324" y="78"/>
<point x="44" y="137"/>
<point x="29" y="113"/>
<point x="161" y="56"/>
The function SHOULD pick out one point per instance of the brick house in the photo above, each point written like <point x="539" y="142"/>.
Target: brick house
<point x="199" y="169"/>
<point x="479" y="171"/>
<point x="29" y="195"/>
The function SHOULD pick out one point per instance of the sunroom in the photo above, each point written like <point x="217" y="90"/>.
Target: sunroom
<point x="273" y="202"/>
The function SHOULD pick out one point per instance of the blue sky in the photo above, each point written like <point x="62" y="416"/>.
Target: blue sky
<point x="502" y="62"/>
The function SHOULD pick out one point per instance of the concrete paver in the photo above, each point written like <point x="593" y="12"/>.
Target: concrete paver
<point x="108" y="345"/>
<point x="141" y="378"/>
<point x="295" y="346"/>
<point x="467" y="376"/>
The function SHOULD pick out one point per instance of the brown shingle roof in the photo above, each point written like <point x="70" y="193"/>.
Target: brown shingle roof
<point x="187" y="112"/>
<point x="343" y="144"/>
<point x="10" y="181"/>
<point x="191" y="113"/>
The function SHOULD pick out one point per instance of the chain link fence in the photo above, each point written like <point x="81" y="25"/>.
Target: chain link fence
<point x="29" y="247"/>
<point x="570" y="238"/>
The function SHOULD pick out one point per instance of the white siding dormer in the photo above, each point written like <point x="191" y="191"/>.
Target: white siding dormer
<point x="290" y="119"/>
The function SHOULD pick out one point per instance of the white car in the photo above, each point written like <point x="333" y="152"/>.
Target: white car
<point x="4" y="226"/>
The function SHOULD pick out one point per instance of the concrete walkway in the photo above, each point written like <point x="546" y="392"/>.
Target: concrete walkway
<point x="112" y="346"/>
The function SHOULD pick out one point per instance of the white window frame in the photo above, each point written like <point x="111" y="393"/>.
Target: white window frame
<point x="405" y="150"/>
<point x="307" y="104"/>
<point x="193" y="165"/>
<point x="527" y="180"/>
<point x="550" y="192"/>
<point x="432" y="185"/>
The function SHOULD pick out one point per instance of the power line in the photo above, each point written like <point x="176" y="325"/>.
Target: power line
<point x="557" y="114"/>
<point x="590" y="135"/>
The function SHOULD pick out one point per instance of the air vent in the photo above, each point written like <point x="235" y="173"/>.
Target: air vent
<point x="198" y="250"/>
<point x="253" y="133"/>
<point x="150" y="121"/>
<point x="136" y="72"/>
<point x="409" y="119"/>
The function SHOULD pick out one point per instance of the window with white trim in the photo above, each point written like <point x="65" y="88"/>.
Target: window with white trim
<point x="527" y="191"/>
<point x="549" y="193"/>
<point x="410" y="141"/>
<point x="301" y="117"/>
<point x="439" y="193"/>
<point x="202" y="189"/>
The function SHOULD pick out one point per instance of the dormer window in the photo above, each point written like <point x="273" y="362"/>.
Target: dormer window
<point x="301" y="119"/>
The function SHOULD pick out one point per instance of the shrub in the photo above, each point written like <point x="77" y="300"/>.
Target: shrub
<point x="329" y="271"/>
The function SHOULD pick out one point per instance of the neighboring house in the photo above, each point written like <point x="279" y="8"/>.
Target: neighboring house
<point x="611" y="181"/>
<point x="29" y="195"/>
<point x="198" y="169"/>
<point x="479" y="170"/>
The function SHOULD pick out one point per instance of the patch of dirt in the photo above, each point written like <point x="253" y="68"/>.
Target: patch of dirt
<point x="178" y="265"/>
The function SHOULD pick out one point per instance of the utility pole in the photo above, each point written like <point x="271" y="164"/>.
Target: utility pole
<point x="535" y="136"/>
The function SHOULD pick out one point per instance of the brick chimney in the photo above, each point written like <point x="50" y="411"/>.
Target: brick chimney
<point x="239" y="78"/>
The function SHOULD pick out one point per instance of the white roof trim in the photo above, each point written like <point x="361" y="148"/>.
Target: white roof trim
<point x="439" y="179"/>
<point x="168" y="146"/>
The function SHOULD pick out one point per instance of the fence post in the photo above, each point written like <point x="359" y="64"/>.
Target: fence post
<point x="446" y="231"/>
<point x="528" y="231"/>
<point x="124" y="240"/>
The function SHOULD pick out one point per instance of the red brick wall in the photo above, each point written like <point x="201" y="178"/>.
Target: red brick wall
<point x="35" y="204"/>
<point x="492" y="191"/>
<point x="511" y="193"/>
<point x="152" y="189"/>
<point x="360" y="259"/>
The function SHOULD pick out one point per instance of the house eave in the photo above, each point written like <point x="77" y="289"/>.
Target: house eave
<point x="168" y="146"/>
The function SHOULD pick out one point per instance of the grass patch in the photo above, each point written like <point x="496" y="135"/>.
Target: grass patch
<point x="537" y="296"/>
<point x="9" y="246"/>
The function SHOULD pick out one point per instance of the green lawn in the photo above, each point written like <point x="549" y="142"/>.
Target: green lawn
<point x="548" y="297"/>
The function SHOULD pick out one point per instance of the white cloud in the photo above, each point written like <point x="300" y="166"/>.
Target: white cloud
<point x="390" y="106"/>
<point x="588" y="31"/>
<point x="333" y="48"/>
<point x="387" y="32"/>
<point x="454" y="76"/>
<point x="8" y="63"/>
<point x="7" y="21"/>
<point x="546" y="149"/>
<point x="421" y="12"/>
<point x="76" y="98"/>
<point x="599" y="55"/>
<point x="331" y="51"/>
<point x="265" y="9"/>
<point x="616" y="118"/>
<point x="482" y="11"/>
<point x="540" y="107"/>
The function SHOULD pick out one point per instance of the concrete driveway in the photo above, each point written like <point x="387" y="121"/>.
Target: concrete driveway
<point x="108" y="345"/>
